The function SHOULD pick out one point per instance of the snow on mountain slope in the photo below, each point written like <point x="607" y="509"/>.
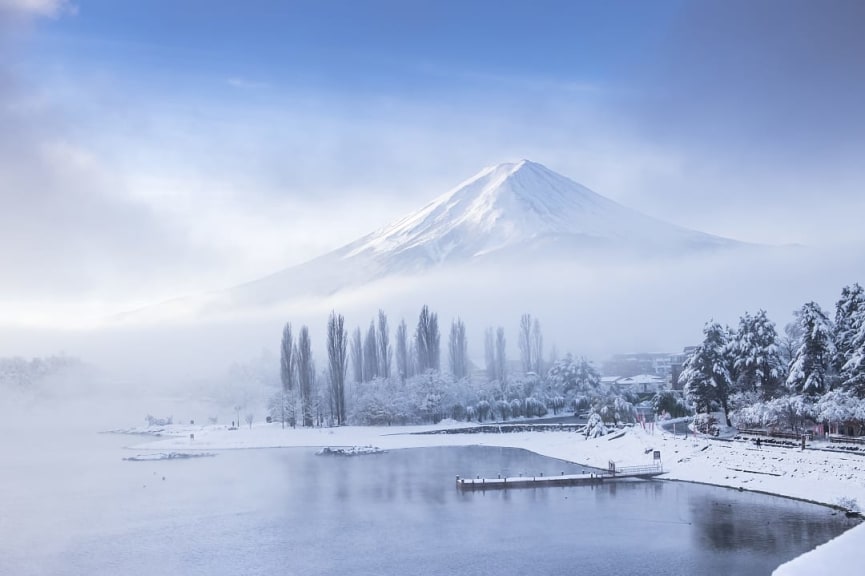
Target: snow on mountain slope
<point x="511" y="204"/>
<point x="501" y="216"/>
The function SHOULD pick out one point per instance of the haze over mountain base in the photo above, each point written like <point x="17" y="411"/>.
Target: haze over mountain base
<point x="516" y="238"/>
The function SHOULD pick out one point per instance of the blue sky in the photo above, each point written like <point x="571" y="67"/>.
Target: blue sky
<point x="240" y="138"/>
<point x="375" y="46"/>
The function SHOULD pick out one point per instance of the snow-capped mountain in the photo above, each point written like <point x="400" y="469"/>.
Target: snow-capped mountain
<point x="504" y="214"/>
<point x="514" y="205"/>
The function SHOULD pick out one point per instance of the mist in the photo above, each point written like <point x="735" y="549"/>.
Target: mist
<point x="658" y="305"/>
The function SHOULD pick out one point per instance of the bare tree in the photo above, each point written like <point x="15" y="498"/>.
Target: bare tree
<point x="537" y="347"/>
<point x="413" y="367"/>
<point x="370" y="354"/>
<point x="490" y="353"/>
<point x="501" y="357"/>
<point x="249" y="419"/>
<point x="434" y="343"/>
<point x="789" y="342"/>
<point x="427" y="340"/>
<point x="385" y="353"/>
<point x="337" y="363"/>
<point x="524" y="340"/>
<point x="286" y="369"/>
<point x="402" y="358"/>
<point x="357" y="355"/>
<point x="458" y="350"/>
<point x="305" y="375"/>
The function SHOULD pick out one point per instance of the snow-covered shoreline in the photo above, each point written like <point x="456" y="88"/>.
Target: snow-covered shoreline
<point x="817" y="476"/>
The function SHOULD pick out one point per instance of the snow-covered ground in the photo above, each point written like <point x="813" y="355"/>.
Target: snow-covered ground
<point x="815" y="475"/>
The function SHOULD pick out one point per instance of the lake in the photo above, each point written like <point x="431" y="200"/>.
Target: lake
<point x="82" y="510"/>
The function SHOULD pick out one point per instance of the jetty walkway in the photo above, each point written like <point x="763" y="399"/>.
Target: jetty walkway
<point x="613" y="474"/>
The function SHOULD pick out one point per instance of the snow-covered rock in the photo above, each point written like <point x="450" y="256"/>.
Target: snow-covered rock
<point x="168" y="456"/>
<point x="349" y="451"/>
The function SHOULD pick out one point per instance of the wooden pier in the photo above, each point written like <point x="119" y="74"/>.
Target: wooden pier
<point x="585" y="479"/>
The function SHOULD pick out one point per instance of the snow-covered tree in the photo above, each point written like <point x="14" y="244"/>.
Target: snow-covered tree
<point x="615" y="408"/>
<point x="516" y="408"/>
<point x="850" y="340"/>
<point x="756" y="357"/>
<point x="534" y="407"/>
<point x="595" y="426"/>
<point x="573" y="379"/>
<point x="840" y="406"/>
<point x="853" y="371"/>
<point x="381" y="402"/>
<point x="811" y="370"/>
<point x="849" y="311"/>
<point x="789" y="342"/>
<point x="283" y="405"/>
<point x="706" y="373"/>
<point x="669" y="402"/>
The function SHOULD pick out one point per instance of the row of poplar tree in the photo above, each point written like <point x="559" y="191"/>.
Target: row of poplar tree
<point x="378" y="373"/>
<point x="813" y="372"/>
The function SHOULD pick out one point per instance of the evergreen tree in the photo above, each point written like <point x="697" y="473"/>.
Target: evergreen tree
<point x="706" y="373"/>
<point x="811" y="370"/>
<point x="849" y="338"/>
<point x="853" y="371"/>
<point x="756" y="356"/>
<point x="848" y="314"/>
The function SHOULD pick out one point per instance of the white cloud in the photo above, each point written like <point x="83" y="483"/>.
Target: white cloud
<point x="39" y="8"/>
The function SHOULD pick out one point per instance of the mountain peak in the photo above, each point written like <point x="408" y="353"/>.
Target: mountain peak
<point x="511" y="205"/>
<point x="507" y="170"/>
<point x="510" y="215"/>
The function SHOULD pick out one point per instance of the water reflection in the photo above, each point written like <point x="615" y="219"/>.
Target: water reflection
<point x="733" y="521"/>
<point x="289" y="511"/>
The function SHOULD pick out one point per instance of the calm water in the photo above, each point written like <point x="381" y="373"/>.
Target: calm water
<point x="291" y="512"/>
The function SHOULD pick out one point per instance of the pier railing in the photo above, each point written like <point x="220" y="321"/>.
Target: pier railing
<point x="638" y="470"/>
